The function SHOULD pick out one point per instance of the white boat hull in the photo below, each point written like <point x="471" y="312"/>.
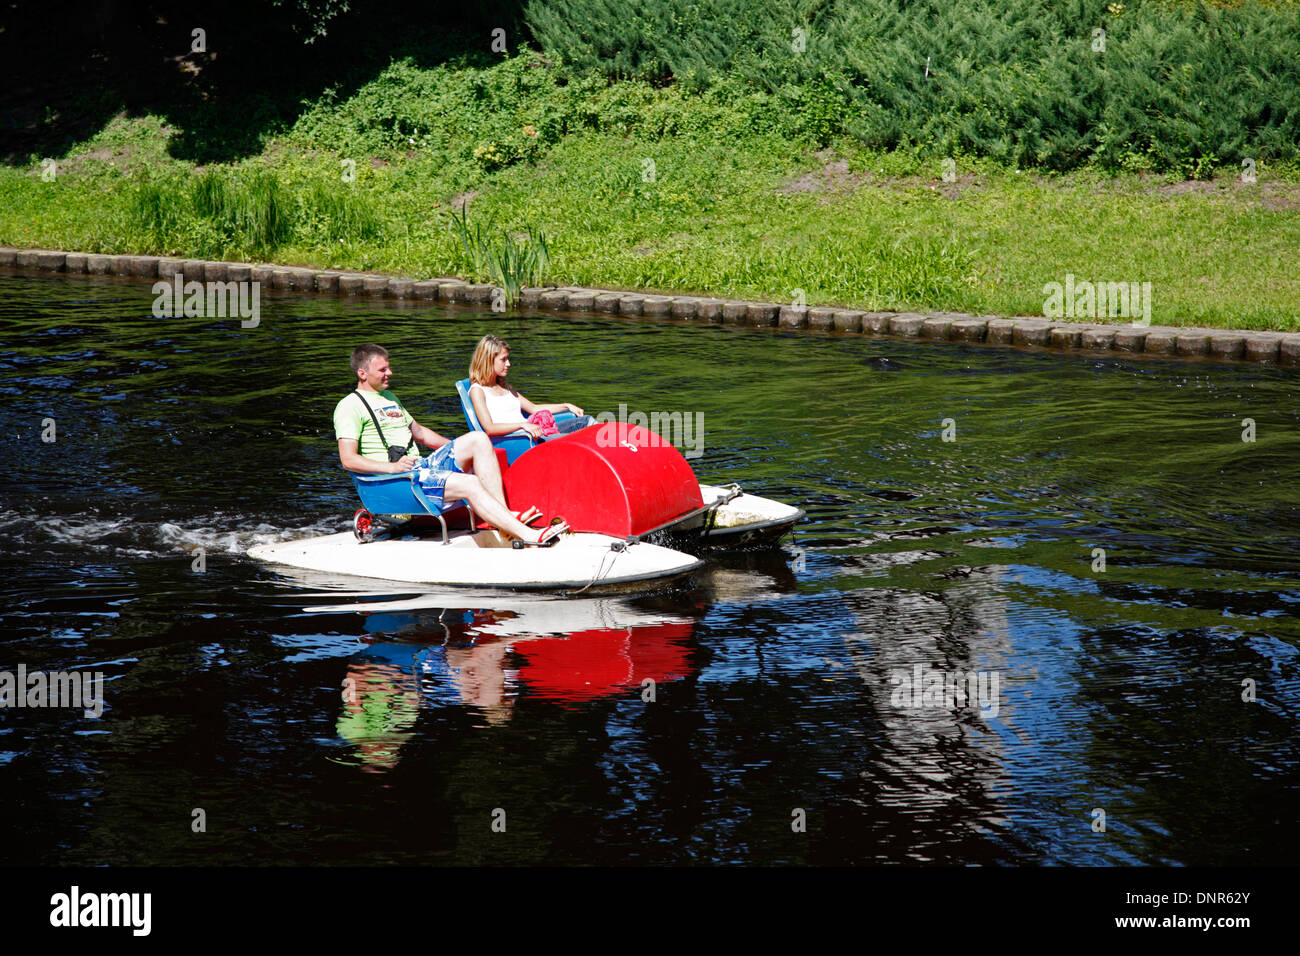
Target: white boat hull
<point x="486" y="559"/>
<point x="744" y="519"/>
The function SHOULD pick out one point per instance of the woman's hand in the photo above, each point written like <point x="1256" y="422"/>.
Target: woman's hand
<point x="532" y="430"/>
<point x="574" y="408"/>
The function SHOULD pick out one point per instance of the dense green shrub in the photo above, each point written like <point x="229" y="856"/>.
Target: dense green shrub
<point x="1171" y="85"/>
<point x="489" y="117"/>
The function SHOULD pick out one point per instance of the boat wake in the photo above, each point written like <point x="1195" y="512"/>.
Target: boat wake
<point x="131" y="537"/>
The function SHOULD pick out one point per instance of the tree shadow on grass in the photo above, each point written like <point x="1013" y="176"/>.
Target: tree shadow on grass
<point x="67" y="74"/>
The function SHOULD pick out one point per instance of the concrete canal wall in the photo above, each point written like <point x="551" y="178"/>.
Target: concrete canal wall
<point x="1276" y="348"/>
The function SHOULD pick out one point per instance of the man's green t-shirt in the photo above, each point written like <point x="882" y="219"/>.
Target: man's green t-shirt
<point x="351" y="420"/>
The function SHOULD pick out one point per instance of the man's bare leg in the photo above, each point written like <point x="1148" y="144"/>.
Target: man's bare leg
<point x="474" y="453"/>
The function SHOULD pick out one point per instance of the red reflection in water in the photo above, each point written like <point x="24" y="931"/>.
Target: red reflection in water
<point x="590" y="664"/>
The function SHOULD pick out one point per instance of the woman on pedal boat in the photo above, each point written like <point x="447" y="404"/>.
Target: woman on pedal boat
<point x="501" y="409"/>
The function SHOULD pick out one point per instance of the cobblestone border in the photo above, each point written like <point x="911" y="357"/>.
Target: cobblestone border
<point x="1276" y="348"/>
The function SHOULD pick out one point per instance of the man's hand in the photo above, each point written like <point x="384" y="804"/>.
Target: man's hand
<point x="405" y="463"/>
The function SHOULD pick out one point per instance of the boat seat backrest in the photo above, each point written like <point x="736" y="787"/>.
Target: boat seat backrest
<point x="467" y="406"/>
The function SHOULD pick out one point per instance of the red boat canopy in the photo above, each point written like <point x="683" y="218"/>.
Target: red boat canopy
<point x="614" y="479"/>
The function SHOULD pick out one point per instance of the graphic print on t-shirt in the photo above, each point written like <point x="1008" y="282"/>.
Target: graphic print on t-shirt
<point x="352" y="420"/>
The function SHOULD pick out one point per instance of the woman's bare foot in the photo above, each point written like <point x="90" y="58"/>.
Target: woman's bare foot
<point x="545" y="537"/>
<point x="552" y="531"/>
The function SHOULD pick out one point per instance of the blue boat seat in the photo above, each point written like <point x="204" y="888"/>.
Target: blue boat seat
<point x="401" y="494"/>
<point x="398" y="494"/>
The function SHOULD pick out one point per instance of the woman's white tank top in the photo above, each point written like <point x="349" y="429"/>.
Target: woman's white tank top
<point x="502" y="408"/>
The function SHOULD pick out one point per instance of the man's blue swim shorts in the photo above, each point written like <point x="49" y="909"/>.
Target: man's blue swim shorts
<point x="433" y="471"/>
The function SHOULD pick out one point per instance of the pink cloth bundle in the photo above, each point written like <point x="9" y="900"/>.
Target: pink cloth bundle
<point x="545" y="421"/>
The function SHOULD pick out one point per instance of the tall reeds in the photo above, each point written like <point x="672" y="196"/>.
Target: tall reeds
<point x="243" y="213"/>
<point x="511" y="261"/>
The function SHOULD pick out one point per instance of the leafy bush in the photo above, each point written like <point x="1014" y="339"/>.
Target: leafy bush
<point x="1178" y="85"/>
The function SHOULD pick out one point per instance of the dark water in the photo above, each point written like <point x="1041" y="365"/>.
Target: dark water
<point x="316" y="724"/>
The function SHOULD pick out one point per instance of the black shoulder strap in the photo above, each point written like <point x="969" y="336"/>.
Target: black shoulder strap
<point x="375" y="418"/>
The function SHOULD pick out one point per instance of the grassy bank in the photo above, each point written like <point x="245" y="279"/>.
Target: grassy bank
<point x="649" y="187"/>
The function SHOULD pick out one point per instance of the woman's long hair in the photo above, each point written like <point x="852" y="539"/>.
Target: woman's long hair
<point x="485" y="353"/>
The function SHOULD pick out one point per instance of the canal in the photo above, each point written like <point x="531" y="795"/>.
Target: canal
<point x="1102" y="550"/>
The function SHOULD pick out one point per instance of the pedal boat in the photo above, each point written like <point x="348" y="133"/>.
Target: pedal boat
<point x="621" y="489"/>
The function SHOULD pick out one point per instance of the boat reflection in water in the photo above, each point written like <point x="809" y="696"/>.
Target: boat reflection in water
<point x="572" y="651"/>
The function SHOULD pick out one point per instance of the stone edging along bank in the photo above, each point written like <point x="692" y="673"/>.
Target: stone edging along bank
<point x="1277" y="348"/>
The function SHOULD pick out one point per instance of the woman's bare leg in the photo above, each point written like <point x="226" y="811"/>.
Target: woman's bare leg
<point x="486" y="506"/>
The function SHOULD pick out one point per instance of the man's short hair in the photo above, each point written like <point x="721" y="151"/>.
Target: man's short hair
<point x="363" y="354"/>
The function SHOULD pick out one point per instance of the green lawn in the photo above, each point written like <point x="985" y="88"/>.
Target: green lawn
<point x="747" y="217"/>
